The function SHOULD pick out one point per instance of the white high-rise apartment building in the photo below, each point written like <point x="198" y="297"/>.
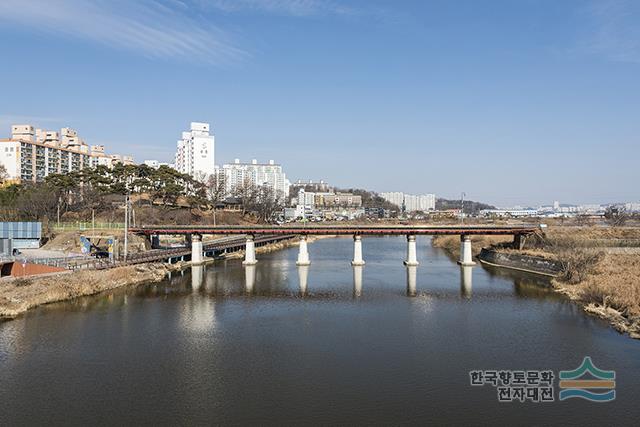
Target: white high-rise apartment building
<point x="195" y="154"/>
<point x="412" y="203"/>
<point x="270" y="174"/>
<point x="32" y="154"/>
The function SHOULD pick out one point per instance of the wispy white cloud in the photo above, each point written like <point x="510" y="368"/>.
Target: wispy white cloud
<point x="284" y="7"/>
<point x="152" y="28"/>
<point x="615" y="31"/>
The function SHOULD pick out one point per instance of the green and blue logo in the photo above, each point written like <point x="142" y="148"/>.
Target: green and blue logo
<point x="603" y="381"/>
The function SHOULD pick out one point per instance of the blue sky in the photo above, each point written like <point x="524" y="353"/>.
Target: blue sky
<point x="512" y="102"/>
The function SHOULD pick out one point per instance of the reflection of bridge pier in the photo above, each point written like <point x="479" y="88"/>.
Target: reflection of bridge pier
<point x="197" y="275"/>
<point x="357" y="280"/>
<point x="411" y="280"/>
<point x="466" y="274"/>
<point x="303" y="274"/>
<point x="249" y="278"/>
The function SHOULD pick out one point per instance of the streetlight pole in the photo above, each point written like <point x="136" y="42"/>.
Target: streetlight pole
<point x="462" y="207"/>
<point x="126" y="226"/>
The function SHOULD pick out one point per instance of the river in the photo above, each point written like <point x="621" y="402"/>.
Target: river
<point x="376" y="345"/>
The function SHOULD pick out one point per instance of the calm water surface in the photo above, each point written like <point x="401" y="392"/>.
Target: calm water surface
<point x="326" y="344"/>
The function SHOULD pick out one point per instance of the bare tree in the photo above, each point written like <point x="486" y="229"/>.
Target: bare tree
<point x="216" y="192"/>
<point x="269" y="203"/>
<point x="3" y="174"/>
<point x="247" y="193"/>
<point x="616" y="216"/>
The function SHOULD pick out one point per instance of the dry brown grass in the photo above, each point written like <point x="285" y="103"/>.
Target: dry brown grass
<point x="614" y="282"/>
<point x="17" y="296"/>
<point x="452" y="243"/>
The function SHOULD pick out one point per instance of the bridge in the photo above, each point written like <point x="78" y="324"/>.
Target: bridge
<point x="194" y="235"/>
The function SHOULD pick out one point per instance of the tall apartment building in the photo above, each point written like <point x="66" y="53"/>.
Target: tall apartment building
<point x="195" y="154"/>
<point x="32" y="154"/>
<point x="412" y="203"/>
<point x="258" y="174"/>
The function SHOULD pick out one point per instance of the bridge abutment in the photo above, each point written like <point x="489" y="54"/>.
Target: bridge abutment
<point x="250" y="252"/>
<point x="303" y="253"/>
<point x="466" y="256"/>
<point x="357" y="251"/>
<point x="412" y="258"/>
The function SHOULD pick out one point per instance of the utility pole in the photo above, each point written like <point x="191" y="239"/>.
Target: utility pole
<point x="126" y="226"/>
<point x="462" y="207"/>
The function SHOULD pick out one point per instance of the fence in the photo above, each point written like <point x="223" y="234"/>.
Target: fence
<point x="82" y="226"/>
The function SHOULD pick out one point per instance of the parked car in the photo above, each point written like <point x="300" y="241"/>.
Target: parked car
<point x="101" y="254"/>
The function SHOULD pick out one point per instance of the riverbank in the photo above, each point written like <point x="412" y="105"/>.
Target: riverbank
<point x="598" y="268"/>
<point x="18" y="295"/>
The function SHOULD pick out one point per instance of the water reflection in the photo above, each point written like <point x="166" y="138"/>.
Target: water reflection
<point x="412" y="271"/>
<point x="197" y="274"/>
<point x="466" y="273"/>
<point x="303" y="273"/>
<point x="249" y="278"/>
<point x="357" y="281"/>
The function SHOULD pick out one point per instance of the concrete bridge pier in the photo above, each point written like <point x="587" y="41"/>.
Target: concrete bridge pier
<point x="357" y="251"/>
<point x="303" y="254"/>
<point x="412" y="259"/>
<point x="466" y="273"/>
<point x="197" y="257"/>
<point x="250" y="252"/>
<point x="411" y="280"/>
<point x="357" y="281"/>
<point x="466" y="256"/>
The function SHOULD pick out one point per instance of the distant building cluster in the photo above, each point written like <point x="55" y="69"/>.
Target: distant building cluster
<point x="31" y="154"/>
<point x="318" y="205"/>
<point x="237" y="174"/>
<point x="559" y="210"/>
<point x="411" y="203"/>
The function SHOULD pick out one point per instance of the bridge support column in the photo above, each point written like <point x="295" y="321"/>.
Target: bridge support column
<point x="250" y="252"/>
<point x="303" y="254"/>
<point x="357" y="251"/>
<point x="518" y="241"/>
<point x="412" y="259"/>
<point x="196" y="249"/>
<point x="466" y="257"/>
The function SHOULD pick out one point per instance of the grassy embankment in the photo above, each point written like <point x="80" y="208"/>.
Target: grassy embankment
<point x="20" y="294"/>
<point x="600" y="267"/>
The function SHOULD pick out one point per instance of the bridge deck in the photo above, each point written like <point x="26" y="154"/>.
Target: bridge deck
<point x="343" y="230"/>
